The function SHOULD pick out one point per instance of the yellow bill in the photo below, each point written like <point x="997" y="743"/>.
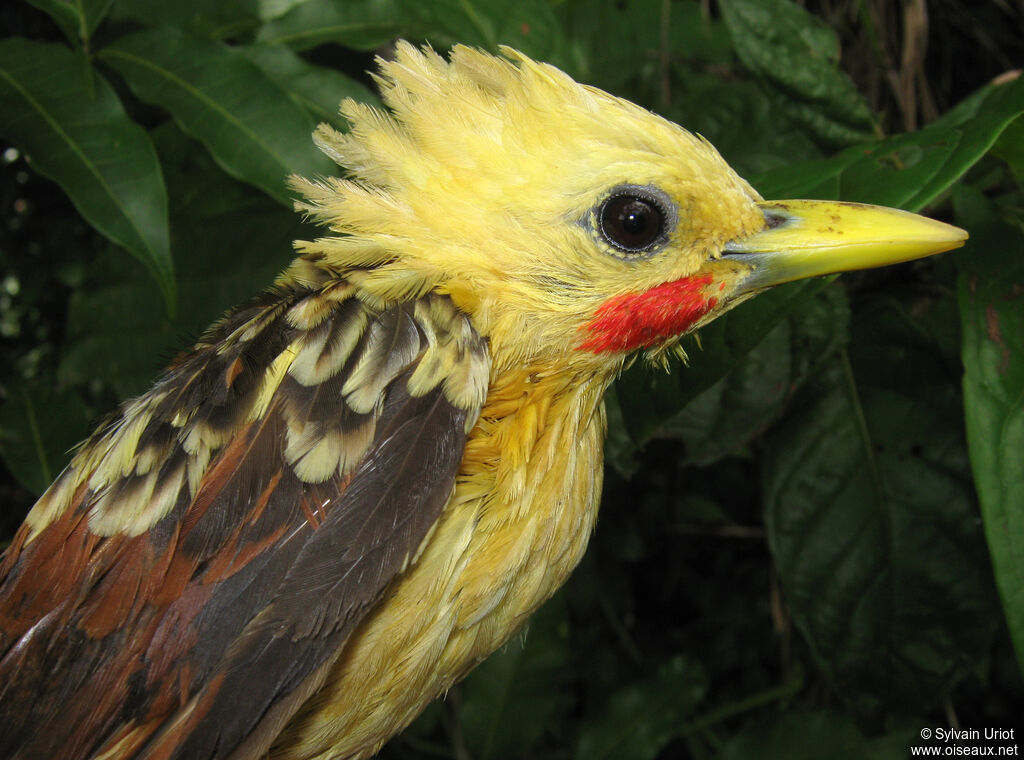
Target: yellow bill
<point x="810" y="238"/>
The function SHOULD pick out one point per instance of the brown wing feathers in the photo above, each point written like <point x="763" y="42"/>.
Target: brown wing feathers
<point x="294" y="473"/>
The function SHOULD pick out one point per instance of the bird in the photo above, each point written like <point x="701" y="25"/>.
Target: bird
<point x="357" y="485"/>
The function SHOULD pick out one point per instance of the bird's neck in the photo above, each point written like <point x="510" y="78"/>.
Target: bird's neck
<point x="533" y="463"/>
<point x="523" y="509"/>
<point x="517" y="426"/>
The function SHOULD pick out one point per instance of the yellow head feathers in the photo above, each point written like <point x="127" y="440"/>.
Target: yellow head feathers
<point x="483" y="182"/>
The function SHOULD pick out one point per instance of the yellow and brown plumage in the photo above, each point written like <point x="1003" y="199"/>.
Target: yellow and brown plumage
<point x="361" y="483"/>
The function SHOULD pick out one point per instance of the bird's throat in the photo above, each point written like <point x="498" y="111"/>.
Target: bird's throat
<point x="641" y="320"/>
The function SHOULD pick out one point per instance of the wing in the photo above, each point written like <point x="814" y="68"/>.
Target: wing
<point x="185" y="584"/>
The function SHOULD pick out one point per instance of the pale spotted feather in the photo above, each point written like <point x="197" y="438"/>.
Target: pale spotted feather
<point x="329" y="332"/>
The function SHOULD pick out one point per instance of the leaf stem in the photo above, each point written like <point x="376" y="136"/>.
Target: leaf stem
<point x="37" y="439"/>
<point x="862" y="424"/>
<point x="782" y="691"/>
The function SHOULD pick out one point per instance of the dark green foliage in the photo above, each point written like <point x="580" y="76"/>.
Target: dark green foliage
<point x="812" y="537"/>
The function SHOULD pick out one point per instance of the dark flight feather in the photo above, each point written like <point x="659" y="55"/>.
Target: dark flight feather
<point x="200" y="636"/>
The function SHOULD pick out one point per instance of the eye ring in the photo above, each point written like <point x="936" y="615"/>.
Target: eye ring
<point x="635" y="220"/>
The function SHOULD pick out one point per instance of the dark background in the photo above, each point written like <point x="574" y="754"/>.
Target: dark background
<point x="804" y="534"/>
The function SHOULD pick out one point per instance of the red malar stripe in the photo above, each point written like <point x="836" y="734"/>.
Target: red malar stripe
<point x="639" y="320"/>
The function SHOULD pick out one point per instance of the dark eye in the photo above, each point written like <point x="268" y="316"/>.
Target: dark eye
<point x="631" y="222"/>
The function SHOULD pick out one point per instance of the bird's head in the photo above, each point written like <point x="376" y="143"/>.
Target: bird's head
<point x="569" y="224"/>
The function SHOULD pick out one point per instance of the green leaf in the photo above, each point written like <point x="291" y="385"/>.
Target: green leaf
<point x="814" y="736"/>
<point x="92" y="14"/>
<point x="527" y="25"/>
<point x="271" y="9"/>
<point x="745" y="126"/>
<point x="798" y="54"/>
<point x="64" y="15"/>
<point x="316" y="89"/>
<point x="38" y="428"/>
<point x="752" y="395"/>
<point x="117" y="334"/>
<point x="358" y="24"/>
<point x="220" y="20"/>
<point x="508" y="701"/>
<point x="990" y="288"/>
<point x="993" y="99"/>
<point x="78" y="20"/>
<point x="1010" y="148"/>
<point x="605" y="36"/>
<point x="68" y="119"/>
<point x="684" y="75"/>
<point x="640" y="719"/>
<point x="907" y="171"/>
<point x="233" y="241"/>
<point x="248" y="123"/>
<point x="872" y="521"/>
<point x="649" y="396"/>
